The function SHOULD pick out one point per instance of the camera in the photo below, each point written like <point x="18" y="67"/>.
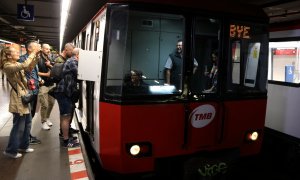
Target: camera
<point x="30" y="84"/>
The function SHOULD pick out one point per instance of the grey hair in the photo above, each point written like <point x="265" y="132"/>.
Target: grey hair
<point x="75" y="51"/>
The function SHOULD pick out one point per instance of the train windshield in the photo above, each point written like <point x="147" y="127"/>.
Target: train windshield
<point x="142" y="47"/>
<point x="147" y="55"/>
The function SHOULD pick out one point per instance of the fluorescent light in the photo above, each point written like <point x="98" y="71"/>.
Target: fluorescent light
<point x="4" y="20"/>
<point x="2" y="40"/>
<point x="65" y="8"/>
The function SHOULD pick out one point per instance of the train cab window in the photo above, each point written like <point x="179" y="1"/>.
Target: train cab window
<point x="139" y="46"/>
<point x="247" y="67"/>
<point x="206" y="53"/>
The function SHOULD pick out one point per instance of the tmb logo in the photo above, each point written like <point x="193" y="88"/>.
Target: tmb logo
<point x="202" y="115"/>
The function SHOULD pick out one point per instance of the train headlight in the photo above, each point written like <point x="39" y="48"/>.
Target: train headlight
<point x="252" y="135"/>
<point x="139" y="149"/>
<point x="135" y="150"/>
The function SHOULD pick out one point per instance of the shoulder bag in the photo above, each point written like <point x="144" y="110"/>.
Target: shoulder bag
<point x="27" y="98"/>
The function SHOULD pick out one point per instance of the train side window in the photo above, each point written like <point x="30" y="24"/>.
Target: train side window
<point x="252" y="64"/>
<point x="247" y="66"/>
<point x="236" y="61"/>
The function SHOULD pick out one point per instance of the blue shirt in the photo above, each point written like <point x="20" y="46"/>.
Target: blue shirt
<point x="70" y="67"/>
<point x="31" y="75"/>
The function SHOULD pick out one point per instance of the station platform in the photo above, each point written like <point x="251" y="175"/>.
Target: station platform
<point x="50" y="160"/>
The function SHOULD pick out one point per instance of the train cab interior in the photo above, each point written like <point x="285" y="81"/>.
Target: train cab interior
<point x="143" y="41"/>
<point x="143" y="44"/>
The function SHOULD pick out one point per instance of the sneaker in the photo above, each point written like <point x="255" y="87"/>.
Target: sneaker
<point x="70" y="136"/>
<point x="73" y="131"/>
<point x="15" y="156"/>
<point x="28" y="150"/>
<point x="70" y="143"/>
<point x="33" y="140"/>
<point x="49" y="123"/>
<point x="45" y="126"/>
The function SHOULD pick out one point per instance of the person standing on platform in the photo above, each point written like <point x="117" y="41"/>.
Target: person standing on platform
<point x="67" y="53"/>
<point x="32" y="74"/>
<point x="46" y="101"/>
<point x="20" y="132"/>
<point x="64" y="95"/>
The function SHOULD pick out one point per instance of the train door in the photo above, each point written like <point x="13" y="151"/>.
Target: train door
<point x="89" y="87"/>
<point x="203" y="122"/>
<point x="98" y="41"/>
<point x="229" y="85"/>
<point x="89" y="70"/>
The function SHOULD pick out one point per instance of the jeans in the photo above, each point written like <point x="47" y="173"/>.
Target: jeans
<point x="19" y="134"/>
<point x="33" y="105"/>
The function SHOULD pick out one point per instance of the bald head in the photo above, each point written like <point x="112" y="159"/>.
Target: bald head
<point x="46" y="46"/>
<point x="46" y="49"/>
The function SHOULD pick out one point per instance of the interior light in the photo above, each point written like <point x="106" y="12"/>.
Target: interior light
<point x="162" y="89"/>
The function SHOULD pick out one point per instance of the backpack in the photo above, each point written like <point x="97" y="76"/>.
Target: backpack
<point x="56" y="72"/>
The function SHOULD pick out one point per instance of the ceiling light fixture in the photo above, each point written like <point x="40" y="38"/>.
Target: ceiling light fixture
<point x="4" y="20"/>
<point x="65" y="8"/>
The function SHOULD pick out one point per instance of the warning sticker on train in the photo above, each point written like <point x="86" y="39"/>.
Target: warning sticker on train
<point x="202" y="115"/>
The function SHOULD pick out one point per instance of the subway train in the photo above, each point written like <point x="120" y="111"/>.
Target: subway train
<point x="152" y="125"/>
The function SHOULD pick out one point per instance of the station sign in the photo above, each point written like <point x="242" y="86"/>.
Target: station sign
<point x="289" y="73"/>
<point x="25" y="12"/>
<point x="288" y="51"/>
